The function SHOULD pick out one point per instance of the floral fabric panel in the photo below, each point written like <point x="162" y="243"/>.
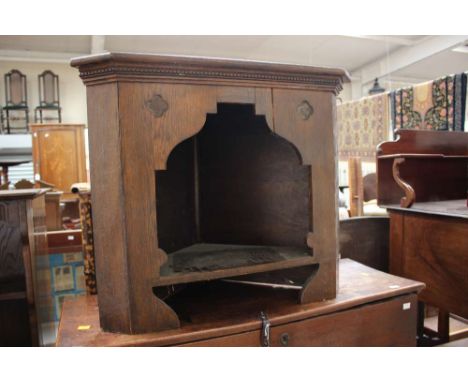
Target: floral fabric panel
<point x="362" y="125"/>
<point x="88" y="242"/>
<point x="434" y="105"/>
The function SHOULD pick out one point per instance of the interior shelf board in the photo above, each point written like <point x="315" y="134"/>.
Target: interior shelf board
<point x="204" y="261"/>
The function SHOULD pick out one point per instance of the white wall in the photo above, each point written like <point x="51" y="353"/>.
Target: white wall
<point x="72" y="90"/>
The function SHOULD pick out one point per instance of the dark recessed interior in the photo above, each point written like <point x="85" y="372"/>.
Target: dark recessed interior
<point x="236" y="183"/>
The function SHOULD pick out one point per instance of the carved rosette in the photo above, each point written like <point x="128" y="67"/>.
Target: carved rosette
<point x="158" y="105"/>
<point x="305" y="110"/>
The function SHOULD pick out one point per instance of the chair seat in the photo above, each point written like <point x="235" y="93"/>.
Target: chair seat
<point x="48" y="107"/>
<point x="15" y="107"/>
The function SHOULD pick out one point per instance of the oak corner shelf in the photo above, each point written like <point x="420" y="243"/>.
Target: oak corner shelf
<point x="191" y="150"/>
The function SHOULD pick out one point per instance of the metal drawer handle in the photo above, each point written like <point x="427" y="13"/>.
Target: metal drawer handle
<point x="265" y="334"/>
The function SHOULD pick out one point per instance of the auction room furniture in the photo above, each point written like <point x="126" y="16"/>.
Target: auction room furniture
<point x="423" y="182"/>
<point x="22" y="239"/>
<point x="208" y="169"/>
<point x="59" y="155"/>
<point x="16" y="101"/>
<point x="49" y="97"/>
<point x="52" y="202"/>
<point x="371" y="308"/>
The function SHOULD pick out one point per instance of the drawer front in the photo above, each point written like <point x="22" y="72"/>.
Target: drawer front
<point x="388" y="323"/>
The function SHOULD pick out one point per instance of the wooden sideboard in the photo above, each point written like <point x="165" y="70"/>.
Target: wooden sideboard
<point x="423" y="183"/>
<point x="371" y="308"/>
<point x="205" y="169"/>
<point x="22" y="239"/>
<point x="59" y="155"/>
<point x="432" y="247"/>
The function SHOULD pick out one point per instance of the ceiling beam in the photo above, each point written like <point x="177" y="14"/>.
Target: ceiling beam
<point x="391" y="39"/>
<point x="406" y="56"/>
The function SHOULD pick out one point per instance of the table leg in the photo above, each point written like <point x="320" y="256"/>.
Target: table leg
<point x="443" y="326"/>
<point x="5" y="173"/>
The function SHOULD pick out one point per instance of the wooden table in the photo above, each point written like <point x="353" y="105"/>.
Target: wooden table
<point x="372" y="308"/>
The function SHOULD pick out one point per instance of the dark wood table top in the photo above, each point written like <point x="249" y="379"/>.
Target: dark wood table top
<point x="79" y="325"/>
<point x="453" y="208"/>
<point x="29" y="193"/>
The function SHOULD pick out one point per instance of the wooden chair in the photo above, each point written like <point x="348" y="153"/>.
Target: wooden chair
<point x="356" y="193"/>
<point x="16" y="99"/>
<point x="49" y="97"/>
<point x="369" y="187"/>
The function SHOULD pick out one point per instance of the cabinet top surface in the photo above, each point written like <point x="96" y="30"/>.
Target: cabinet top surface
<point x="108" y="67"/>
<point x="450" y="208"/>
<point x="359" y="285"/>
<point x="30" y="193"/>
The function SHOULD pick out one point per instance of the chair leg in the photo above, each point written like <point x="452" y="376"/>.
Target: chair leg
<point x="5" y="174"/>
<point x="27" y="120"/>
<point x="443" y="325"/>
<point x="421" y="316"/>
<point x="8" y="121"/>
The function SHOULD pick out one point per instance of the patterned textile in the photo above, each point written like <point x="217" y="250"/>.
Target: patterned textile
<point x="88" y="242"/>
<point x="362" y="125"/>
<point x="434" y="105"/>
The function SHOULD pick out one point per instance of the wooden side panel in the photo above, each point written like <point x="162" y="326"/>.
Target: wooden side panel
<point x="138" y="147"/>
<point x="307" y="120"/>
<point x="108" y="214"/>
<point x="435" y="252"/>
<point x="124" y="213"/>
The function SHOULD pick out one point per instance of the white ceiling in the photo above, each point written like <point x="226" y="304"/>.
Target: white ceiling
<point x="340" y="51"/>
<point x="418" y="57"/>
<point x="436" y="66"/>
